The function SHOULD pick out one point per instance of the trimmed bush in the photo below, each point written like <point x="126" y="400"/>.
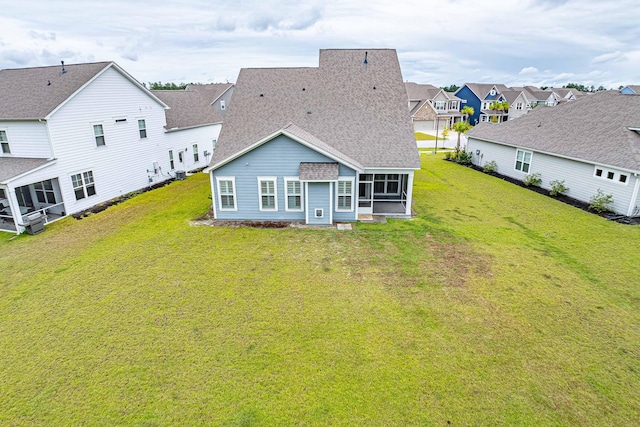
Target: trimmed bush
<point x="600" y="202"/>
<point x="558" y="187"/>
<point x="532" y="179"/>
<point x="490" y="167"/>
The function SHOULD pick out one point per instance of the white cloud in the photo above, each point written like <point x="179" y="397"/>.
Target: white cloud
<point x="447" y="42"/>
<point x="528" y="70"/>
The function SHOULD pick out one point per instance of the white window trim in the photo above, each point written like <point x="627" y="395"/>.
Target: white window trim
<point x="6" y="135"/>
<point x="287" y="179"/>
<point x="146" y="130"/>
<point x="84" y="185"/>
<point x="616" y="175"/>
<point x="275" y="193"/>
<point x="196" y="153"/>
<point x="95" y="137"/>
<point x="234" y="193"/>
<point x="515" y="163"/>
<point x="315" y="213"/>
<point x="337" y="195"/>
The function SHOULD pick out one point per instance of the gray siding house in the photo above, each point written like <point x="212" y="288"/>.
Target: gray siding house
<point x="317" y="145"/>
<point x="591" y="143"/>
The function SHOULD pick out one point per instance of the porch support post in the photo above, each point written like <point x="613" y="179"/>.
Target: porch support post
<point x="409" y="193"/>
<point x="15" y="208"/>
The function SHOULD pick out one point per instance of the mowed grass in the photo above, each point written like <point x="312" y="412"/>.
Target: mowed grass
<point x="421" y="136"/>
<point x="493" y="306"/>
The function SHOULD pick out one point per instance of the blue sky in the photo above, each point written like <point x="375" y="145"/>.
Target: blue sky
<point x="515" y="42"/>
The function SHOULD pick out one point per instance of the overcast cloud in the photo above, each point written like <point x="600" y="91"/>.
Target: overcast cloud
<point x="515" y="42"/>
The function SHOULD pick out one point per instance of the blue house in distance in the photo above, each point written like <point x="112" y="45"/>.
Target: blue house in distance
<point x="317" y="145"/>
<point x="480" y="96"/>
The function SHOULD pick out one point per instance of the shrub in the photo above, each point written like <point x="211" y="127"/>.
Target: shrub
<point x="600" y="202"/>
<point x="532" y="179"/>
<point x="464" y="157"/>
<point x="447" y="155"/>
<point x="490" y="167"/>
<point x="558" y="187"/>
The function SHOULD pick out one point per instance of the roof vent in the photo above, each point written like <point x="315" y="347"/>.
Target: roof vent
<point x="63" y="71"/>
<point x="261" y="95"/>
<point x="303" y="89"/>
<point x="365" y="58"/>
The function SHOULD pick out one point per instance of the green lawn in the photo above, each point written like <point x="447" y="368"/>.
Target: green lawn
<point x="424" y="136"/>
<point x="494" y="306"/>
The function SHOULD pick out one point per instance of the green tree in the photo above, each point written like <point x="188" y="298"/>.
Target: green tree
<point x="460" y="127"/>
<point x="451" y="88"/>
<point x="467" y="112"/>
<point x="167" y="86"/>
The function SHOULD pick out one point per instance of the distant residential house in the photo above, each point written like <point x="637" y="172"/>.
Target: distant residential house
<point x="518" y="103"/>
<point x="317" y="145"/>
<point x="194" y="121"/>
<point x="591" y="143"/>
<point x="631" y="90"/>
<point x="74" y="136"/>
<point x="480" y="96"/>
<point x="431" y="107"/>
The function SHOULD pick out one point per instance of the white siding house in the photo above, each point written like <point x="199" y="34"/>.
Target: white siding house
<point x="591" y="144"/>
<point x="74" y="136"/>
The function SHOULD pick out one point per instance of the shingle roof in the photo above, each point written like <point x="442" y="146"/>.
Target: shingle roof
<point x="319" y="171"/>
<point x="192" y="107"/>
<point x="635" y="88"/>
<point x="593" y="128"/>
<point x="11" y="167"/>
<point x="416" y="91"/>
<point x="358" y="109"/>
<point x="481" y="90"/>
<point x="33" y="93"/>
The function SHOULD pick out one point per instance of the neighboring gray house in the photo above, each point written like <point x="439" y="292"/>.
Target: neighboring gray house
<point x="591" y="143"/>
<point x="317" y="145"/>
<point x="431" y="107"/>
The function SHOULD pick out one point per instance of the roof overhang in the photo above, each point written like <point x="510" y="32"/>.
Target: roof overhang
<point x="22" y="167"/>
<point x="343" y="159"/>
<point x="550" y="153"/>
<point x="98" y="74"/>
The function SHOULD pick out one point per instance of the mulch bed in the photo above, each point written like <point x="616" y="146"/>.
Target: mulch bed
<point x="104" y="205"/>
<point x="611" y="216"/>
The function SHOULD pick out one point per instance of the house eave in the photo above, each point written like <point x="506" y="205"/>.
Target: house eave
<point x="284" y="132"/>
<point x="563" y="156"/>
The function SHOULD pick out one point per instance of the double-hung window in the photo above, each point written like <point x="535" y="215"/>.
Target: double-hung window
<point x="523" y="160"/>
<point x="227" y="193"/>
<point x="344" y="194"/>
<point x="267" y="194"/>
<point x="293" y="196"/>
<point x="83" y="185"/>
<point x="171" y="163"/>
<point x="4" y="142"/>
<point x="142" y="128"/>
<point x="196" y="156"/>
<point x="440" y="105"/>
<point x="98" y="132"/>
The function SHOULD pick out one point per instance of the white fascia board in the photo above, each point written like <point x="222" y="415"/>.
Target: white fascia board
<point x="288" y="135"/>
